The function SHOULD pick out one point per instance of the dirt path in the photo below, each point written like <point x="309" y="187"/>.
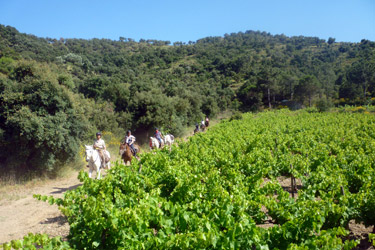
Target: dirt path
<point x="21" y="214"/>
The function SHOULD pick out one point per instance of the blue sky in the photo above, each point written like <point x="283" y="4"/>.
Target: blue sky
<point x="344" y="20"/>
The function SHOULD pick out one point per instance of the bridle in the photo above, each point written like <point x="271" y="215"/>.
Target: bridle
<point x="91" y="158"/>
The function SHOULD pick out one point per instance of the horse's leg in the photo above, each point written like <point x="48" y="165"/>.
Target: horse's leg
<point x="98" y="172"/>
<point x="90" y="171"/>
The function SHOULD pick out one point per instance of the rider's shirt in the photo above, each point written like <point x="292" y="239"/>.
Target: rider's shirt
<point x="158" y="135"/>
<point x="100" y="144"/>
<point x="129" y="139"/>
<point x="202" y="122"/>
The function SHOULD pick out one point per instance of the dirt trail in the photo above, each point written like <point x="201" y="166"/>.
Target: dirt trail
<point x="21" y="214"/>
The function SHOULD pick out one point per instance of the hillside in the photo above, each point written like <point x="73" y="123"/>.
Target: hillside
<point x="56" y="93"/>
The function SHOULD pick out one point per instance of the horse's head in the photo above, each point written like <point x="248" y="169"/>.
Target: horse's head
<point x="89" y="151"/>
<point x="123" y="148"/>
<point x="126" y="152"/>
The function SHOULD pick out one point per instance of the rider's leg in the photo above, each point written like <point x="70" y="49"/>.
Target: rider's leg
<point x="101" y="154"/>
<point x="134" y="150"/>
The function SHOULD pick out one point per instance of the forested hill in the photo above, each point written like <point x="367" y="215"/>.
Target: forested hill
<point x="56" y="93"/>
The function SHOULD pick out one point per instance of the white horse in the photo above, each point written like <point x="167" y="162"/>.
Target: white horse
<point x="168" y="140"/>
<point x="154" y="143"/>
<point x="94" y="161"/>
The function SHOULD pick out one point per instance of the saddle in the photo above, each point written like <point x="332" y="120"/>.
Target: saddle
<point x="133" y="151"/>
<point x="104" y="155"/>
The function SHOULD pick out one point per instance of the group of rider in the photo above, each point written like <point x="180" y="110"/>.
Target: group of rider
<point x="129" y="139"/>
<point x="204" y="124"/>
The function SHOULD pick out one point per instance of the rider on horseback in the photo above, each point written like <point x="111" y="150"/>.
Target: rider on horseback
<point x="130" y="139"/>
<point x="196" y="130"/>
<point x="99" y="145"/>
<point x="159" y="137"/>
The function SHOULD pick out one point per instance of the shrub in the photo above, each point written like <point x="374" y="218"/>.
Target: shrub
<point x="236" y="116"/>
<point x="324" y="105"/>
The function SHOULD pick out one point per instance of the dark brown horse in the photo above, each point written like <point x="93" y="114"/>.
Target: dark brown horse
<point x="207" y="122"/>
<point x="127" y="154"/>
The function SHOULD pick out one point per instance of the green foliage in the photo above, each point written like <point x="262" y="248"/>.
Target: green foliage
<point x="6" y="65"/>
<point x="37" y="241"/>
<point x="217" y="189"/>
<point x="367" y="203"/>
<point x="372" y="239"/>
<point x="236" y="116"/>
<point x="324" y="105"/>
<point x="102" y="84"/>
<point x="209" y="68"/>
<point x="39" y="118"/>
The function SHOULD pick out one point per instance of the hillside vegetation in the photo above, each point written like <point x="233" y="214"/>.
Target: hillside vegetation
<point x="221" y="189"/>
<point x="56" y="93"/>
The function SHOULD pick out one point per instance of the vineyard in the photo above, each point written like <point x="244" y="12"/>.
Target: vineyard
<point x="221" y="189"/>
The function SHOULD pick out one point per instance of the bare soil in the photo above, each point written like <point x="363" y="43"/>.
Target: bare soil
<point x="21" y="214"/>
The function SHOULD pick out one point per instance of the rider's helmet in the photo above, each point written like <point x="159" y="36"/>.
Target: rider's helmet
<point x="98" y="133"/>
<point x="128" y="132"/>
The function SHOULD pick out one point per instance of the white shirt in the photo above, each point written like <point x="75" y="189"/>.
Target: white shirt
<point x="99" y="144"/>
<point x="130" y="139"/>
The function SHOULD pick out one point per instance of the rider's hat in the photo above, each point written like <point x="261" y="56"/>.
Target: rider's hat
<point x="98" y="133"/>
<point x="128" y="131"/>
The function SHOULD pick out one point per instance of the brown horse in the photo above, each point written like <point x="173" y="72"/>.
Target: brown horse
<point x="126" y="153"/>
<point x="207" y="122"/>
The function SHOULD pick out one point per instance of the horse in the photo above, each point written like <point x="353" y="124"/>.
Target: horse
<point x="126" y="152"/>
<point x="203" y="127"/>
<point x="94" y="161"/>
<point x="196" y="130"/>
<point x="168" y="140"/>
<point x="207" y="123"/>
<point x="154" y="143"/>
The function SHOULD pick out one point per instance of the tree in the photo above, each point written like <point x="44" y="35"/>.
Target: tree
<point x="249" y="96"/>
<point x="362" y="75"/>
<point x="41" y="126"/>
<point x="267" y="79"/>
<point x="331" y="40"/>
<point x="287" y="83"/>
<point x="308" y="87"/>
